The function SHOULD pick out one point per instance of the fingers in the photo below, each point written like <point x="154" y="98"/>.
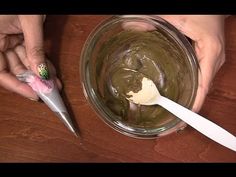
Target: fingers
<point x="32" y="27"/>
<point x="186" y="24"/>
<point x="202" y="91"/>
<point x="14" y="64"/>
<point x="11" y="65"/>
<point x="21" y="53"/>
<point x="10" y="41"/>
<point x="211" y="57"/>
<point x="3" y="63"/>
<point x="9" y="81"/>
<point x="205" y="76"/>
<point x="207" y="34"/>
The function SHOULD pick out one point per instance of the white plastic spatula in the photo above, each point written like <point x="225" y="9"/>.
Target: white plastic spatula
<point x="149" y="95"/>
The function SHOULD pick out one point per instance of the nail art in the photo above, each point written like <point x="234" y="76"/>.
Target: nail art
<point x="43" y="71"/>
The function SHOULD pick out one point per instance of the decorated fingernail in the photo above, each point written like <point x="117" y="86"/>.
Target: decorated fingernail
<point x="43" y="71"/>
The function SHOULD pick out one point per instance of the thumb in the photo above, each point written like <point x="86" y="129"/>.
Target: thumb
<point x="32" y="27"/>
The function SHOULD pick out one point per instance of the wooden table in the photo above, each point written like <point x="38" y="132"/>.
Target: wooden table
<point x="30" y="132"/>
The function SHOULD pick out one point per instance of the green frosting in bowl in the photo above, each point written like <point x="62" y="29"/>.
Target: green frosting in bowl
<point x="152" y="54"/>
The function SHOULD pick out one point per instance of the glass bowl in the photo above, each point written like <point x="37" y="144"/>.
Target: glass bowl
<point x="147" y="44"/>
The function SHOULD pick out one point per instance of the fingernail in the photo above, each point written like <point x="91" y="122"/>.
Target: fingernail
<point x="43" y="71"/>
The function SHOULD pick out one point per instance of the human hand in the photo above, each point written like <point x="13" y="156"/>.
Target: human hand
<point x="207" y="34"/>
<point x="21" y="48"/>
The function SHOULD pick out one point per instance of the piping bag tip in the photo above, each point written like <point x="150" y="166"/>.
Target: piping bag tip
<point x="65" y="118"/>
<point x="48" y="92"/>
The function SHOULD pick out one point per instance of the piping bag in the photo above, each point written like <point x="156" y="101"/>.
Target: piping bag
<point x="48" y="92"/>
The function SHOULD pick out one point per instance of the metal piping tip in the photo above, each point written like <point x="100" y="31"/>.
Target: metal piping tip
<point x="64" y="116"/>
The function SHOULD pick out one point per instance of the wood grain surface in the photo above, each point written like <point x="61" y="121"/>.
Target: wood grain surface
<point x="30" y="132"/>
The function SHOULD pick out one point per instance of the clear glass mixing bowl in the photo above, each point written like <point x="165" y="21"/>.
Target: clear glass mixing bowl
<point x="150" y="45"/>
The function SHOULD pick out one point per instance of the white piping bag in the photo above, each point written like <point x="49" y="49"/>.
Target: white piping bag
<point x="48" y="92"/>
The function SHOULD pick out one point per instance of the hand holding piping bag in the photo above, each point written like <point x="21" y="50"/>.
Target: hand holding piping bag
<point x="40" y="80"/>
<point x="21" y="48"/>
<point x="32" y="28"/>
<point x="22" y="58"/>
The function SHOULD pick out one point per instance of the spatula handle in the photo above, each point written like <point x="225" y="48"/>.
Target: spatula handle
<point x="200" y="123"/>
